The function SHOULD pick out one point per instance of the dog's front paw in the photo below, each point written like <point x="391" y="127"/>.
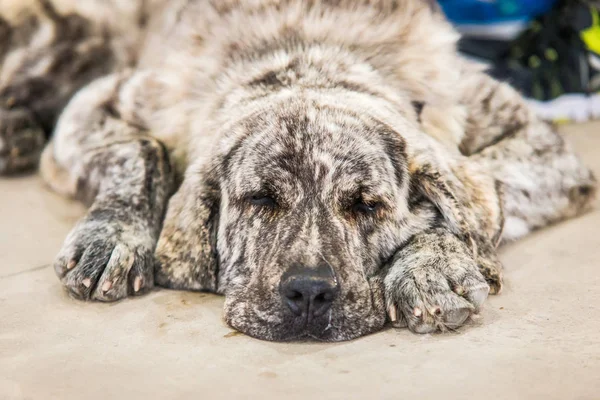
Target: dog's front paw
<point x="21" y="141"/>
<point x="106" y="257"/>
<point x="434" y="285"/>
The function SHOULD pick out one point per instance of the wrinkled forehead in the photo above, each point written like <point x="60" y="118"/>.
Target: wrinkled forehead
<point x="319" y="148"/>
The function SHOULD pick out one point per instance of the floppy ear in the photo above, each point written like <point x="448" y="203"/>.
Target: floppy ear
<point x="186" y="250"/>
<point x="428" y="182"/>
<point x="470" y="203"/>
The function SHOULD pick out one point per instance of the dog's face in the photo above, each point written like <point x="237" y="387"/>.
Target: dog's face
<point x="313" y="202"/>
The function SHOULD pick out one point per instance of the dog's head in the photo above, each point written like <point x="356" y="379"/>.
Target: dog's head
<point x="298" y="214"/>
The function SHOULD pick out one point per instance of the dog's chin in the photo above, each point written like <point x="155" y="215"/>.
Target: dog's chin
<point x="281" y="327"/>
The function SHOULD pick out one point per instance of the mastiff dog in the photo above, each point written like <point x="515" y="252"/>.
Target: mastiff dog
<point x="329" y="166"/>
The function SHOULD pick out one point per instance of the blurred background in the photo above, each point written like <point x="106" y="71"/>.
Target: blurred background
<point x="548" y="49"/>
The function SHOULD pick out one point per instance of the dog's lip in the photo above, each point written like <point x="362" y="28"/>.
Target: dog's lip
<point x="311" y="333"/>
<point x="300" y="336"/>
<point x="303" y="336"/>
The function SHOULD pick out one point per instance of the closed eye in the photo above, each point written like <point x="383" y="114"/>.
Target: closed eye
<point x="262" y="200"/>
<point x="364" y="207"/>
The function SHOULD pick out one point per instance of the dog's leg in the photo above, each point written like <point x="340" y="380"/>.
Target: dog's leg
<point x="434" y="283"/>
<point x="21" y="140"/>
<point x="101" y="155"/>
<point x="45" y="58"/>
<point x="543" y="180"/>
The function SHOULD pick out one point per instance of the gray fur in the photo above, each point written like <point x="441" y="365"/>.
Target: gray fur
<point x="21" y="140"/>
<point x="384" y="157"/>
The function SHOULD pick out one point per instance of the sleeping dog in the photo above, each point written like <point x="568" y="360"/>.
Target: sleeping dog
<point x="328" y="166"/>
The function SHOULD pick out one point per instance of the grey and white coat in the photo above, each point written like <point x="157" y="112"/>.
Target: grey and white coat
<point x="334" y="165"/>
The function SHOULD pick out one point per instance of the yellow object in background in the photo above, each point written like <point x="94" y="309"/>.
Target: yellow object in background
<point x="591" y="35"/>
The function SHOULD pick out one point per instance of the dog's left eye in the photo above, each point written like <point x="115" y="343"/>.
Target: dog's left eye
<point x="365" y="207"/>
<point x="262" y="200"/>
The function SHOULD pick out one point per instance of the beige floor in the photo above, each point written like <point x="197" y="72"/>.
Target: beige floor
<point x="539" y="339"/>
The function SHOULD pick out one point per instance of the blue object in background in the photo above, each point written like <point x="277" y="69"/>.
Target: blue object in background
<point x="502" y="18"/>
<point x="493" y="11"/>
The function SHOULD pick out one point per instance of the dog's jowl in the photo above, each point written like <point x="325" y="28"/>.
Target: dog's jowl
<point x="327" y="166"/>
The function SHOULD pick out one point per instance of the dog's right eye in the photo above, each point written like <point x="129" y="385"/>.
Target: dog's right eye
<point x="262" y="200"/>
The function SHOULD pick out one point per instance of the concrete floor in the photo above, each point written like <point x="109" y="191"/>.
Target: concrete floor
<point x="540" y="339"/>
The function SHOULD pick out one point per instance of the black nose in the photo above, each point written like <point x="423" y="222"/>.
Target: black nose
<point x="308" y="292"/>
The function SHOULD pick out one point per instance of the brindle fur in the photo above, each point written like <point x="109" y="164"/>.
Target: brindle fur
<point x="317" y="104"/>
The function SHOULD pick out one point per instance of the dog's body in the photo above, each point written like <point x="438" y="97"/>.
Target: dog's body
<point x="340" y="162"/>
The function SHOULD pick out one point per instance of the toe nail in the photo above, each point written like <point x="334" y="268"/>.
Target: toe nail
<point x="479" y="296"/>
<point x="71" y="264"/>
<point x="417" y="312"/>
<point x="425" y="328"/>
<point x="87" y="282"/>
<point x="107" y="285"/>
<point x="393" y="312"/>
<point x="137" y="284"/>
<point x="455" y="318"/>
